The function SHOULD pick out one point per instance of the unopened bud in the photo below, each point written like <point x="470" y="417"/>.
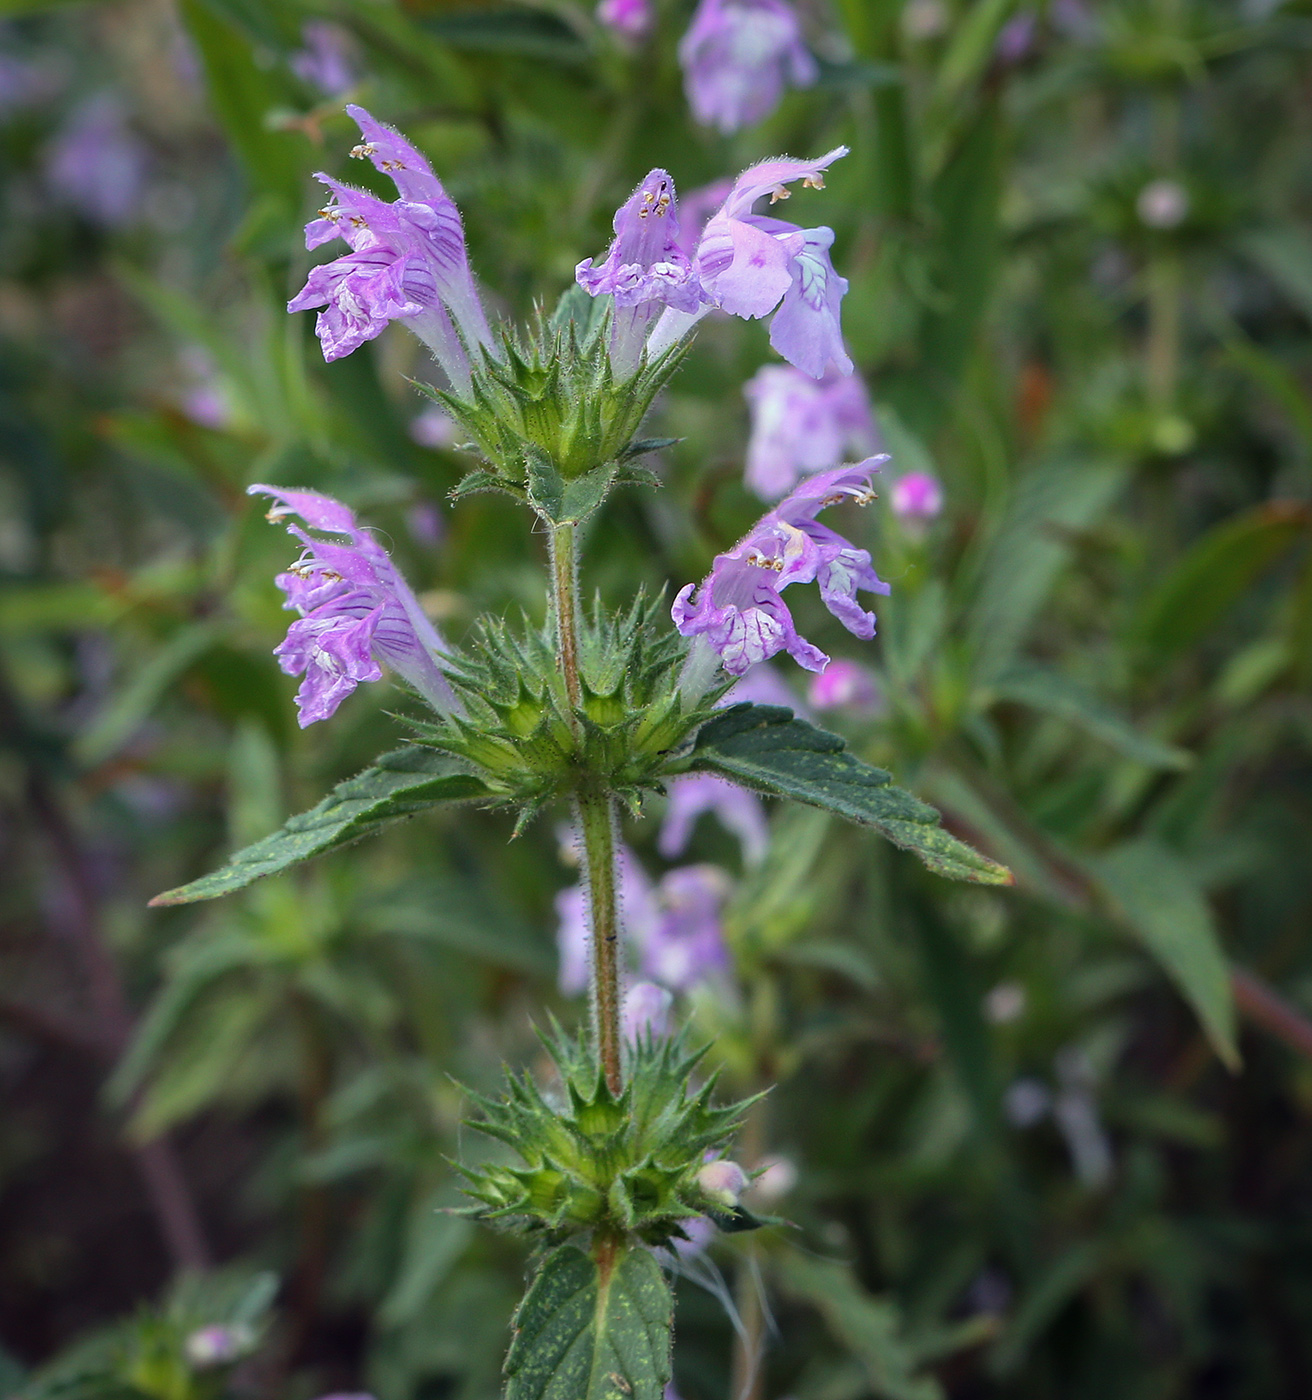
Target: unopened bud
<point x="216" y="1345"/>
<point x="723" y="1181"/>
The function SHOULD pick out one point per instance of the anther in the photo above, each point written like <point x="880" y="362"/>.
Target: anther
<point x="780" y="192"/>
<point x="813" y="182"/>
<point x="364" y="150"/>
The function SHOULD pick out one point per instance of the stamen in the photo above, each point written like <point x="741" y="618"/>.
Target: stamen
<point x="364" y="150"/>
<point x="780" y="192"/>
<point x="390" y="165"/>
<point x="813" y="182"/>
<point x="330" y="213"/>
<point x="764" y="561"/>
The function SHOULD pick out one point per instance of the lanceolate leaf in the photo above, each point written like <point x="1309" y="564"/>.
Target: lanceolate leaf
<point x="398" y="785"/>
<point x="588" y="1332"/>
<point x="1164" y="907"/>
<point x="766" y="748"/>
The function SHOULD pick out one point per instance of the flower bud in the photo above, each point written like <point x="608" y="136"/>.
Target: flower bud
<point x="723" y="1181"/>
<point x="216" y="1345"/>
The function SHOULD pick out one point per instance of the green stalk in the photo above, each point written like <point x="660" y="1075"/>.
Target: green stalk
<point x="594" y="812"/>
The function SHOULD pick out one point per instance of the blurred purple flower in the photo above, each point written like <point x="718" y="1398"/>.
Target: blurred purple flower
<point x="356" y="610"/>
<point x="737" y="610"/>
<point x="424" y="521"/>
<point x="646" y="1011"/>
<point x="644" y="270"/>
<point x="325" y="61"/>
<point x="96" y="164"/>
<point x="916" y="497"/>
<point x="205" y="401"/>
<point x="738" y="810"/>
<point x="751" y="265"/>
<point x="216" y="1345"/>
<point x="407" y="262"/>
<point x="433" y="427"/>
<point x="695" y="211"/>
<point x="737" y="58"/>
<point x="802" y="425"/>
<point x="630" y="18"/>
<point x="1016" y="38"/>
<point x="672" y="927"/>
<point x="638" y="915"/>
<point x="844" y="685"/>
<point x="23" y="82"/>
<point x="763" y="685"/>
<point x="684" y="944"/>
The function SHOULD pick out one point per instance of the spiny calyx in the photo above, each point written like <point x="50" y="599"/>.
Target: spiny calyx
<point x="628" y="1164"/>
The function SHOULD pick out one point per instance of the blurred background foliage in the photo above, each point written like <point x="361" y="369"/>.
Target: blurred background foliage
<point x="1049" y="1142"/>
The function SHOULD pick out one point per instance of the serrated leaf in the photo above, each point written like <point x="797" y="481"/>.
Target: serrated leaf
<point x="1041" y="689"/>
<point x="584" y="1333"/>
<point x="766" y="748"/>
<point x="484" y="480"/>
<point x="400" y="784"/>
<point x="559" y="500"/>
<point x="1163" y="905"/>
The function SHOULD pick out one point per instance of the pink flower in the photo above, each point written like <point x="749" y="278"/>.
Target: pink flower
<point x="916" y="496"/>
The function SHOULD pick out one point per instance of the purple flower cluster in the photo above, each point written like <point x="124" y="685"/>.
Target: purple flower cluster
<point x="802" y="425"/>
<point x="737" y="613"/>
<point x="355" y="612"/>
<point x="96" y="164"/>
<point x="325" y="61"/>
<point x="747" y="264"/>
<point x="407" y="261"/>
<point x="737" y="58"/>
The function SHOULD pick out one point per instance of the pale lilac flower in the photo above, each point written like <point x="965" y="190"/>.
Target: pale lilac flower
<point x="644" y="270"/>
<point x="407" y="262"/>
<point x="685" y="945"/>
<point x="325" y="61"/>
<point x="723" y="1181"/>
<point x="916" y="497"/>
<point x="434" y="427"/>
<point x="700" y="1232"/>
<point x="844" y="685"/>
<point x="751" y="265"/>
<point x="630" y="18"/>
<point x="738" y="810"/>
<point x="356" y="610"/>
<point x="802" y="425"/>
<point x="216" y="1345"/>
<point x="646" y="1011"/>
<point x="205" y="401"/>
<point x="96" y="164"/>
<point x="737" y="58"/>
<point x="737" y="612"/>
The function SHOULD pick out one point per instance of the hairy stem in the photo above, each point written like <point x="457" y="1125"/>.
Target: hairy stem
<point x="595" y="813"/>
<point x="565" y="604"/>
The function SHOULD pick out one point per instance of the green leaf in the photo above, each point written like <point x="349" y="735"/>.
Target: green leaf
<point x="400" y="784"/>
<point x="1285" y="255"/>
<point x="1029" y="684"/>
<point x="588" y="1333"/>
<point x="869" y="1327"/>
<point x="1164" y="907"/>
<point x="559" y="500"/>
<point x="244" y="95"/>
<point x="523" y="32"/>
<point x="1213" y="574"/>
<point x="766" y="748"/>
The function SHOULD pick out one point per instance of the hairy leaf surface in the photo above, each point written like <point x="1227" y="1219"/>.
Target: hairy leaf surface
<point x="400" y="784"/>
<point x="765" y="747"/>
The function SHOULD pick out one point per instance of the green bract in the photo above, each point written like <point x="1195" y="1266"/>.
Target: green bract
<point x="622" y="1165"/>
<point x="548" y="410"/>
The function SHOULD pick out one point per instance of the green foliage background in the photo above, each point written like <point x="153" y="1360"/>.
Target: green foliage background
<point x="1097" y="663"/>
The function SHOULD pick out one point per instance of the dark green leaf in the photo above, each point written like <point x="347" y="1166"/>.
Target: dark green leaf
<point x="1162" y="904"/>
<point x="581" y="1334"/>
<point x="559" y="500"/>
<point x="640" y="446"/>
<point x="1214" y="574"/>
<point x="400" y="784"/>
<point x="1054" y="694"/>
<point x="510" y="30"/>
<point x="766" y="748"/>
<point x="870" y="1328"/>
